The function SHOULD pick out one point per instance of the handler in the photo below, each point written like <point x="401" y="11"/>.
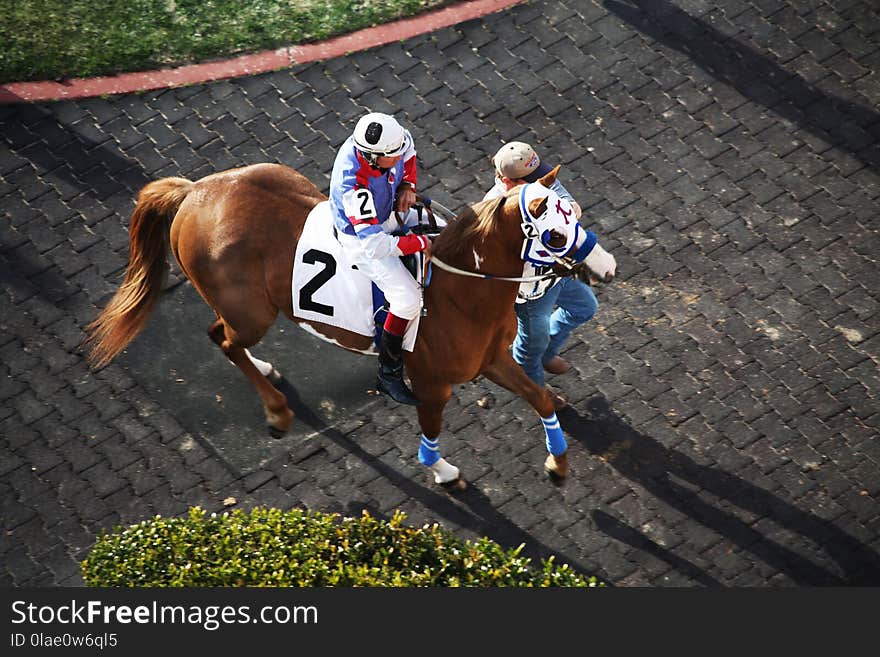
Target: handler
<point x="547" y="311"/>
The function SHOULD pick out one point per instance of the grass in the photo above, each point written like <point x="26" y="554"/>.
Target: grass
<point x="56" y="39"/>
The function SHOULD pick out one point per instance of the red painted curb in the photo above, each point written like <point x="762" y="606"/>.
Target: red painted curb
<point x="260" y="62"/>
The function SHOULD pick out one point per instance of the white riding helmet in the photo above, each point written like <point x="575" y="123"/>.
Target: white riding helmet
<point x="379" y="135"/>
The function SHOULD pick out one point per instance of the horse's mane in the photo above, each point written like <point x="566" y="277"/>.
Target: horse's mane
<point x="473" y="225"/>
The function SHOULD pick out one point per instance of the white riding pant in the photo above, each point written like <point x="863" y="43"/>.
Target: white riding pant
<point x="401" y="291"/>
<point x="403" y="294"/>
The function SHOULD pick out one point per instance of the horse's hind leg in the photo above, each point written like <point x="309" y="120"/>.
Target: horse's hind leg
<point x="278" y="415"/>
<point x="265" y="368"/>
<point x="508" y="374"/>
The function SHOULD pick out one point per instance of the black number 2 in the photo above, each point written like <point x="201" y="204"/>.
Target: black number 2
<point x="306" y="302"/>
<point x="365" y="211"/>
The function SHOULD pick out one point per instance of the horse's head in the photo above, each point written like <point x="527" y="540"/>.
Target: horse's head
<point x="556" y="238"/>
<point x="529" y="223"/>
<point x="549" y="226"/>
<point x="562" y="236"/>
<point x="553" y="237"/>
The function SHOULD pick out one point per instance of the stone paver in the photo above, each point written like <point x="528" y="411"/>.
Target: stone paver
<point x="725" y="416"/>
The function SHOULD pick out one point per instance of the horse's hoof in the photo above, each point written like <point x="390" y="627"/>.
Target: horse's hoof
<point x="556" y="468"/>
<point x="279" y="423"/>
<point x="448" y="476"/>
<point x="554" y="477"/>
<point x="275" y="432"/>
<point x="455" y="486"/>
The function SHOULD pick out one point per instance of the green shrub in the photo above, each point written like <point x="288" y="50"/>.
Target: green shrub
<point x="270" y="547"/>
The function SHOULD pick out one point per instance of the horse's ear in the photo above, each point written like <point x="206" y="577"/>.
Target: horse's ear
<point x="538" y="206"/>
<point x="550" y="178"/>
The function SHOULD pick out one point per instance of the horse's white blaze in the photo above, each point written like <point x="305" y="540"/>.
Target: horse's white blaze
<point x="477" y="260"/>
<point x="444" y="472"/>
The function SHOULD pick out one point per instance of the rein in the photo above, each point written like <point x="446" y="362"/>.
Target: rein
<point x="515" y="279"/>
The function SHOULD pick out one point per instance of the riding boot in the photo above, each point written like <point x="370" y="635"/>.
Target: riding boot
<point x="390" y="377"/>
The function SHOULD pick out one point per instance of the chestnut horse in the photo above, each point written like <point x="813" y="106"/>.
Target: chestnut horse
<point x="234" y="233"/>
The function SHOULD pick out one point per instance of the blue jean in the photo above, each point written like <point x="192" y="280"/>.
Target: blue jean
<point x="541" y="330"/>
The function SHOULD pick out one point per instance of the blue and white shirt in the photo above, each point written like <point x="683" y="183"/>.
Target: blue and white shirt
<point x="362" y="199"/>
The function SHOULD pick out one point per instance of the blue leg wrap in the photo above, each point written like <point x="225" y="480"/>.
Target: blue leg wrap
<point x="556" y="444"/>
<point x="429" y="451"/>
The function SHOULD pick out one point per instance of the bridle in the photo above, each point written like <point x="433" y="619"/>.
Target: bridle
<point x="527" y="229"/>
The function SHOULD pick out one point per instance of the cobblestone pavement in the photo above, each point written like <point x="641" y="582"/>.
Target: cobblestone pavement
<point x="724" y="426"/>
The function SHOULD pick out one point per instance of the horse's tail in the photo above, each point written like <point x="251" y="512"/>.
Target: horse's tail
<point x="127" y="313"/>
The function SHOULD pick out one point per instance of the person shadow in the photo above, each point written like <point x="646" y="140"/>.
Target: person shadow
<point x="470" y="509"/>
<point x="647" y="462"/>
<point x="756" y="76"/>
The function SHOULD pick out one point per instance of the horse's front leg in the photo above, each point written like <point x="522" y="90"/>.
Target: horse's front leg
<point x="434" y="399"/>
<point x="508" y="374"/>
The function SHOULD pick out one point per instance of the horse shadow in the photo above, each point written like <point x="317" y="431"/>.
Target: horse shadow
<point x="620" y="531"/>
<point x="757" y="77"/>
<point x="469" y="509"/>
<point x="64" y="159"/>
<point x="99" y="169"/>
<point x="652" y="465"/>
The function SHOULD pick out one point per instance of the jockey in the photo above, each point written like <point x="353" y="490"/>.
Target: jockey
<point x="374" y="174"/>
<point x="546" y="311"/>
